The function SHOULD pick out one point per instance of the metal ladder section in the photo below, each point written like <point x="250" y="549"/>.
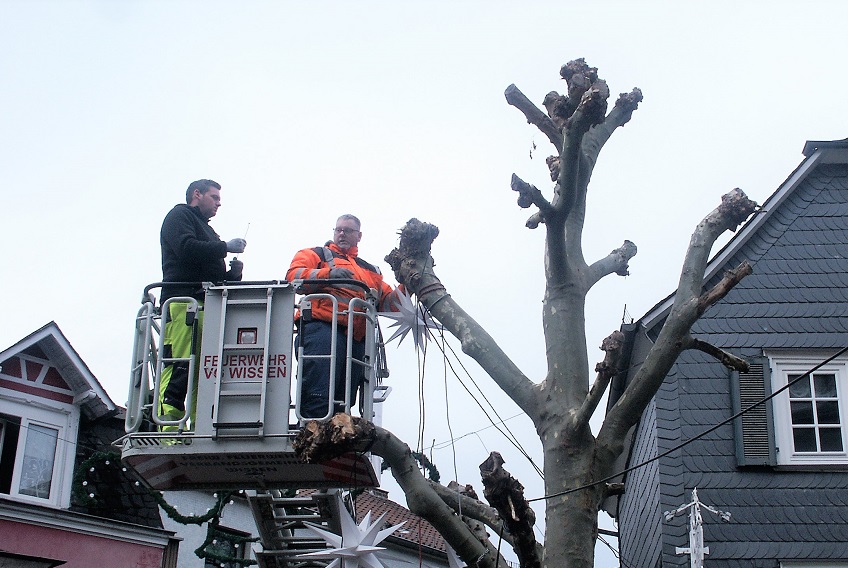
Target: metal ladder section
<point x="253" y="388"/>
<point x="279" y="520"/>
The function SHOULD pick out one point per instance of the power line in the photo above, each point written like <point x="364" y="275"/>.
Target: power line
<point x="698" y="436"/>
<point x="511" y="437"/>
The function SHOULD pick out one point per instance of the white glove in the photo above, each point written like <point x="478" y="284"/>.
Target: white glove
<point x="236" y="245"/>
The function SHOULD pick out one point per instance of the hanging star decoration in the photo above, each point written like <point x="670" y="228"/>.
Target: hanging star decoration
<point x="410" y="317"/>
<point x="357" y="545"/>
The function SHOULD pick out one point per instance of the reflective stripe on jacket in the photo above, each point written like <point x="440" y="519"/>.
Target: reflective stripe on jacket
<point x="308" y="264"/>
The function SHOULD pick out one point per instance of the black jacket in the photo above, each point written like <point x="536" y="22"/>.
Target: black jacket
<point x="191" y="252"/>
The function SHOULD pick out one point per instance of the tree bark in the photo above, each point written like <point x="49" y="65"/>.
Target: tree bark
<point x="344" y="433"/>
<point x="575" y="462"/>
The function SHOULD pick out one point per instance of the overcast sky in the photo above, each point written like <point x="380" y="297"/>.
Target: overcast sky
<point x="388" y="110"/>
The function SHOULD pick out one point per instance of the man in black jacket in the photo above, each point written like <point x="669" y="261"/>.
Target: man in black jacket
<point x="192" y="253"/>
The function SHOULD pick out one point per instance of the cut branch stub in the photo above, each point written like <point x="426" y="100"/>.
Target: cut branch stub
<point x="534" y="115"/>
<point x="585" y="91"/>
<point x="467" y="489"/>
<point x="736" y="206"/>
<point x="629" y="101"/>
<point x="592" y="108"/>
<point x="580" y="66"/>
<point x="558" y="108"/>
<point x="416" y="238"/>
<point x="729" y="360"/>
<point x="506" y="494"/>
<point x="611" y="346"/>
<point x="529" y="195"/>
<point x="318" y="442"/>
<point x="730" y="279"/>
<point x="553" y="166"/>
<point x="624" y="253"/>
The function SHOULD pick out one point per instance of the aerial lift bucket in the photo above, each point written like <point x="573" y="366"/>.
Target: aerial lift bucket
<point x="246" y="417"/>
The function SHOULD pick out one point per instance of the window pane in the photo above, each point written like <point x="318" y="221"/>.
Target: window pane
<point x="37" y="467"/>
<point x="805" y="439"/>
<point x="825" y="385"/>
<point x="828" y="412"/>
<point x="801" y="389"/>
<point x="9" y="430"/>
<point x="831" y="439"/>
<point x="802" y="412"/>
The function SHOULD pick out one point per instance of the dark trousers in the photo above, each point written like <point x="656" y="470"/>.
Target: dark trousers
<point x="315" y="337"/>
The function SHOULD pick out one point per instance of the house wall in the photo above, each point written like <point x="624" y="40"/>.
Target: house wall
<point x="235" y="516"/>
<point x="639" y="529"/>
<point x="797" y="299"/>
<point x="78" y="550"/>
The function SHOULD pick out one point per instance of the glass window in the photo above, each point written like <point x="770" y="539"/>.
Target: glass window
<point x="37" y="451"/>
<point x="810" y="415"/>
<point x="814" y="408"/>
<point x="38" y="461"/>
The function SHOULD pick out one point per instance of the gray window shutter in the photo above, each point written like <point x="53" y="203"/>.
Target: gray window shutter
<point x="754" y="430"/>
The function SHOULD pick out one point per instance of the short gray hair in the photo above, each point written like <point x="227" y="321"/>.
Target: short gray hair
<point x="349" y="217"/>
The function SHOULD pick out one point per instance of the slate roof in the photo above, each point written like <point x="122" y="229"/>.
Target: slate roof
<point x="118" y="493"/>
<point x="797" y="298"/>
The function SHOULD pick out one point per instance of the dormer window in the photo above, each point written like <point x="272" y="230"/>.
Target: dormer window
<point x="35" y="453"/>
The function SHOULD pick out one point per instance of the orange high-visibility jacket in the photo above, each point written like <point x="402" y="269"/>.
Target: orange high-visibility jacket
<point x="311" y="264"/>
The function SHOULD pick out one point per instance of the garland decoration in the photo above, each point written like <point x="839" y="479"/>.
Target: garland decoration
<point x="432" y="470"/>
<point x="85" y="495"/>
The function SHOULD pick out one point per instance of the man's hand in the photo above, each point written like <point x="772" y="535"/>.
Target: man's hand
<point x="236" y="268"/>
<point x="236" y="245"/>
<point x="340" y="273"/>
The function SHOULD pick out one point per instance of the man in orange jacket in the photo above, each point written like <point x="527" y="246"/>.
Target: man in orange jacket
<point x="336" y="259"/>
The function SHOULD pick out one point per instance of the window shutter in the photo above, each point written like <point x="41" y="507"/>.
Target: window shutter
<point x="754" y="430"/>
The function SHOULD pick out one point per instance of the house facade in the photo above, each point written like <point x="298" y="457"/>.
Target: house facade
<point x="54" y="418"/>
<point x="770" y="445"/>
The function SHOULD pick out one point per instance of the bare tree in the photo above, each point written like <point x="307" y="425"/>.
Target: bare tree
<point x="576" y="462"/>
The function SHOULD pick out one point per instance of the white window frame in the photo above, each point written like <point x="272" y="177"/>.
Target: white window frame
<point x="60" y="417"/>
<point x="785" y="364"/>
<point x="793" y="564"/>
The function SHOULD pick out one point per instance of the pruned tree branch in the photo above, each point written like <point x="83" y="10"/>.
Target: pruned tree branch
<point x="729" y="360"/>
<point x="529" y="195"/>
<point x="620" y="115"/>
<point x="606" y="370"/>
<point x="687" y="308"/>
<point x="470" y="506"/>
<point x="343" y="433"/>
<point x="478" y="516"/>
<point x="534" y="115"/>
<point x="413" y="267"/>
<point x="583" y="108"/>
<point x="617" y="262"/>
<point x="731" y="278"/>
<point x="506" y="494"/>
<point x="534" y="220"/>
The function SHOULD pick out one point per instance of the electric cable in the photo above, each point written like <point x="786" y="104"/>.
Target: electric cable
<point x="510" y="437"/>
<point x="696" y="437"/>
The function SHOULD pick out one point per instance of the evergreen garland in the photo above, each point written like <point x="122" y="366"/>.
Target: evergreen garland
<point x="432" y="470"/>
<point x="86" y="497"/>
